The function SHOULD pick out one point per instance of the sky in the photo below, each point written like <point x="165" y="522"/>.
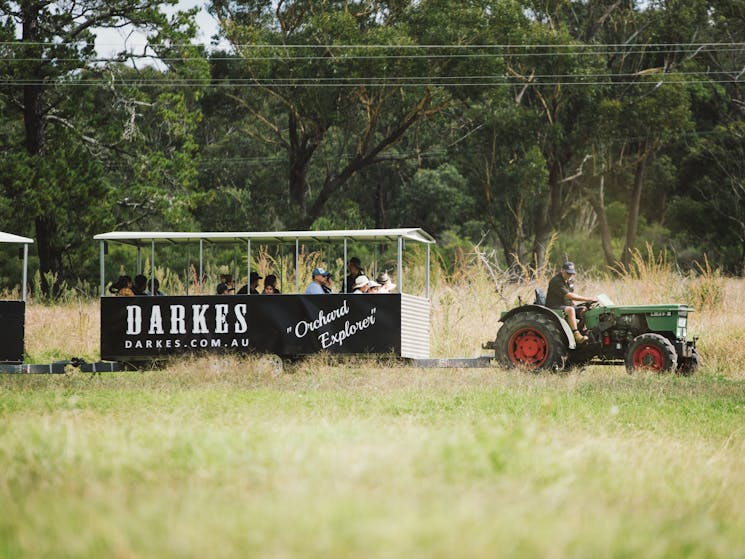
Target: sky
<point x="112" y="41"/>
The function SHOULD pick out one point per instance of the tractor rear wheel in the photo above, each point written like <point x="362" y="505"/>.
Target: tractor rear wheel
<point x="651" y="351"/>
<point x="532" y="341"/>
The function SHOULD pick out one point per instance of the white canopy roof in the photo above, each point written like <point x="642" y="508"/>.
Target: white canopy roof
<point x="9" y="238"/>
<point x="368" y="235"/>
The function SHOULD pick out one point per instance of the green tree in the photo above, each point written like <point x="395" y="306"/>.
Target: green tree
<point x="507" y="171"/>
<point x="57" y="162"/>
<point x="336" y="110"/>
<point x="435" y="199"/>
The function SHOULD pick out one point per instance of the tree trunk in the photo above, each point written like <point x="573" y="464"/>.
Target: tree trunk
<point x="598" y="205"/>
<point x="32" y="113"/>
<point x="512" y="256"/>
<point x="741" y="271"/>
<point x="542" y="234"/>
<point x="547" y="217"/>
<point x="336" y="180"/>
<point x="300" y="153"/>
<point x="50" y="257"/>
<point x="635" y="202"/>
<point x="380" y="217"/>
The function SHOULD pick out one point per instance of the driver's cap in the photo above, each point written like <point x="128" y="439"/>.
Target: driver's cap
<point x="568" y="267"/>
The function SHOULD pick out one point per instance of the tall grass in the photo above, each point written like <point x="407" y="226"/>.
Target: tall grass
<point x="220" y="457"/>
<point x="466" y="304"/>
<point x="225" y="456"/>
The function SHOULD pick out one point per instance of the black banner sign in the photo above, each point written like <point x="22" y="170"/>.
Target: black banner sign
<point x="12" y="326"/>
<point x="146" y="327"/>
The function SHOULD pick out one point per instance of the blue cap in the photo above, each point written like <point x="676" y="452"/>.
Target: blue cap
<point x="568" y="267"/>
<point x="320" y="272"/>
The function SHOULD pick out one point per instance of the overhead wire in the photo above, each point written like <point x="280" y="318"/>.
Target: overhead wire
<point x="574" y="79"/>
<point x="345" y="57"/>
<point x="402" y="46"/>
<point x="259" y="83"/>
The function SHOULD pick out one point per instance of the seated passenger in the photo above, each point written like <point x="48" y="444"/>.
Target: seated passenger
<point x="355" y="270"/>
<point x="327" y="285"/>
<point x="386" y="285"/>
<point x="253" y="285"/>
<point x="154" y="285"/>
<point x="361" y="285"/>
<point x="122" y="287"/>
<point x="561" y="296"/>
<point x="373" y="287"/>
<point x="226" y="286"/>
<point x="319" y="279"/>
<point x="270" y="285"/>
<point x="139" y="286"/>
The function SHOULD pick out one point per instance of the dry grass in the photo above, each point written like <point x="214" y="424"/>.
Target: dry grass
<point x="465" y="314"/>
<point x="222" y="457"/>
<point x="57" y="332"/>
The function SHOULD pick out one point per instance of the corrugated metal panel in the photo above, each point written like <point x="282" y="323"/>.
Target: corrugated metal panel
<point x="414" y="327"/>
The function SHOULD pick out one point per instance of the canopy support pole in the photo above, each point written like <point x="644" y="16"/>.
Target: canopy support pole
<point x="297" y="261"/>
<point x="400" y="265"/>
<point x="281" y="266"/>
<point x="139" y="259"/>
<point x="201" y="265"/>
<point x="427" y="271"/>
<point x="234" y="270"/>
<point x="25" y="271"/>
<point x="344" y="269"/>
<point x="152" y="261"/>
<point x="248" y="266"/>
<point x="103" y="269"/>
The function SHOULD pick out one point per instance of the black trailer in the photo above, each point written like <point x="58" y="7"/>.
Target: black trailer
<point x="13" y="312"/>
<point x="147" y="328"/>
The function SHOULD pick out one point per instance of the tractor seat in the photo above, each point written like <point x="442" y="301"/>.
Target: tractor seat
<point x="540" y="297"/>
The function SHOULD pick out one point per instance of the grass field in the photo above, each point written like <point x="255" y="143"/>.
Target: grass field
<point x="224" y="457"/>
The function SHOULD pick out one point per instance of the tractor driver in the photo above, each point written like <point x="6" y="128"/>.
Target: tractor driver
<point x="561" y="295"/>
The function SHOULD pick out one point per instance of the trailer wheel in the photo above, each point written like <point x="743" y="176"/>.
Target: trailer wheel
<point x="532" y="341"/>
<point x="651" y="351"/>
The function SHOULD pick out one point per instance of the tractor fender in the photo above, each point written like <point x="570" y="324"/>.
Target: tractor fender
<point x="571" y="343"/>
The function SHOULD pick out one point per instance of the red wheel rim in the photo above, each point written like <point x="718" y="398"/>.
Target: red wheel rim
<point x="528" y="346"/>
<point x="649" y="357"/>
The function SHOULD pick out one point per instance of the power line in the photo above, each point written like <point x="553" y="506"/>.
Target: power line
<point x="315" y="84"/>
<point x="401" y="46"/>
<point x="393" y="80"/>
<point x="377" y="80"/>
<point x="346" y="57"/>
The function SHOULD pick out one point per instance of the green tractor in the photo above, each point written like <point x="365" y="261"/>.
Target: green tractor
<point x="651" y="337"/>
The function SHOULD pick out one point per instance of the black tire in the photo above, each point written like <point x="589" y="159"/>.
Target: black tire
<point x="689" y="365"/>
<point x="652" y="352"/>
<point x="532" y="341"/>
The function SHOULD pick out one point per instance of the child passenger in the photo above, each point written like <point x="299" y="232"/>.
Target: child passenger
<point x="226" y="286"/>
<point x="122" y="287"/>
<point x="270" y="285"/>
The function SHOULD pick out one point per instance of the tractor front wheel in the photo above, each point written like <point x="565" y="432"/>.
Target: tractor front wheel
<point x="532" y="341"/>
<point x="688" y="365"/>
<point x="651" y="351"/>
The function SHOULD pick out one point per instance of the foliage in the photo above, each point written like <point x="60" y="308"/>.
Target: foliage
<point x="66" y="141"/>
<point x="505" y="123"/>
